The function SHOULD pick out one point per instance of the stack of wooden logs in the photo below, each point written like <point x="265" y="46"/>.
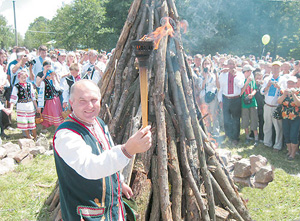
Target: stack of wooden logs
<point x="181" y="176"/>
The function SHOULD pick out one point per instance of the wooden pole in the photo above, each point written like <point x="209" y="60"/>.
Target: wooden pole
<point x="144" y="94"/>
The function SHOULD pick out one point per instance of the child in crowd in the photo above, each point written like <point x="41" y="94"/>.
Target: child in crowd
<point x="24" y="97"/>
<point x="260" y="99"/>
<point x="48" y="100"/>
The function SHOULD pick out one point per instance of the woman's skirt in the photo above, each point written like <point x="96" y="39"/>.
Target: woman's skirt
<point x="52" y="113"/>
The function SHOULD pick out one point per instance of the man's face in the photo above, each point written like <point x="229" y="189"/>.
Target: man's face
<point x="275" y="69"/>
<point x="92" y="58"/>
<point x="231" y="64"/>
<point x="197" y="61"/>
<point x="86" y="103"/>
<point x="247" y="74"/>
<point x="43" y="54"/>
<point x="62" y="58"/>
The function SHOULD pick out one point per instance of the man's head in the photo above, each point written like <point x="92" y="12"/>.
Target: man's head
<point x="276" y="68"/>
<point x="93" y="54"/>
<point x="43" y="51"/>
<point x="231" y="64"/>
<point x="197" y="60"/>
<point x="247" y="70"/>
<point x="286" y="67"/>
<point x="61" y="56"/>
<point x="85" y="100"/>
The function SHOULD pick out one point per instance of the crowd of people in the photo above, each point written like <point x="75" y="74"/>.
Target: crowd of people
<point x="39" y="82"/>
<point x="259" y="95"/>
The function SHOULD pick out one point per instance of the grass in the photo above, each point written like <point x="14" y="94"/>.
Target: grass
<point x="24" y="191"/>
<point x="280" y="199"/>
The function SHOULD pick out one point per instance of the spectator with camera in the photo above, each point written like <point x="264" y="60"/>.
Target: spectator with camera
<point x="290" y="101"/>
<point x="271" y="91"/>
<point x="209" y="87"/>
<point x="91" y="70"/>
<point x="249" y="104"/>
<point x="37" y="63"/>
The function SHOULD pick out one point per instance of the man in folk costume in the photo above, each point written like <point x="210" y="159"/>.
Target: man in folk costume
<point x="230" y="83"/>
<point x="88" y="163"/>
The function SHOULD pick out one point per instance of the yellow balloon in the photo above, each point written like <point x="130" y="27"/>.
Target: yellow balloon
<point x="266" y="39"/>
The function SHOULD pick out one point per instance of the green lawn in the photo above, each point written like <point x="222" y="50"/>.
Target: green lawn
<point x="24" y="191"/>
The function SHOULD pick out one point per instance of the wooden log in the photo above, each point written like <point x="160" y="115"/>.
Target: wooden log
<point x="230" y="193"/>
<point x="195" y="124"/>
<point x="55" y="201"/>
<point x="192" y="209"/>
<point x="155" y="208"/>
<point x="224" y="200"/>
<point x="174" y="171"/>
<point x="134" y="9"/>
<point x="142" y="190"/>
<point x="221" y="214"/>
<point x="187" y="174"/>
<point x="51" y="196"/>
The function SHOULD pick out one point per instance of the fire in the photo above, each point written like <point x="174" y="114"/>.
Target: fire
<point x="184" y="25"/>
<point x="162" y="31"/>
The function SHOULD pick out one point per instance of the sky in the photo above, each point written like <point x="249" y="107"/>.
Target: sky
<point x="28" y="10"/>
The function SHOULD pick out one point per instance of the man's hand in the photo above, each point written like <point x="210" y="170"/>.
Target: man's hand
<point x="127" y="191"/>
<point x="140" y="141"/>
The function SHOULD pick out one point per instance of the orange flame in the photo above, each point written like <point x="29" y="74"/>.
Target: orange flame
<point x="184" y="25"/>
<point x="160" y="32"/>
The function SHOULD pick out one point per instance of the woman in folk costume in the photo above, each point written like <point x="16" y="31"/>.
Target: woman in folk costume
<point x="24" y="97"/>
<point x="48" y="99"/>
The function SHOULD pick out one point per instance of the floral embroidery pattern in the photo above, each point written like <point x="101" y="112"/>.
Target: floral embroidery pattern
<point x="289" y="109"/>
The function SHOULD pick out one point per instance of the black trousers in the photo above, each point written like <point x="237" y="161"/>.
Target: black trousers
<point x="232" y="109"/>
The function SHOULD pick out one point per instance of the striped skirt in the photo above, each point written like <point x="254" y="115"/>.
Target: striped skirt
<point x="26" y="116"/>
<point x="52" y="113"/>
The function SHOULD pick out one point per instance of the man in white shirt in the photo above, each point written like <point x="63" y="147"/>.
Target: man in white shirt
<point x="230" y="84"/>
<point x="271" y="90"/>
<point x="91" y="70"/>
<point x="88" y="163"/>
<point x="38" y="66"/>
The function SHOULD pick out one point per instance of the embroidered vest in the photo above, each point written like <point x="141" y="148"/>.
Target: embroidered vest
<point x="50" y="91"/>
<point x="83" y="198"/>
<point x="24" y="94"/>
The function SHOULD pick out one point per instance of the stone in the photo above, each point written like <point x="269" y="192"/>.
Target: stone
<point x="237" y="157"/>
<point x="6" y="165"/>
<point x="257" y="162"/>
<point x="27" y="159"/>
<point x="3" y="153"/>
<point x="49" y="153"/>
<point x="37" y="150"/>
<point x="264" y="175"/>
<point x="242" y="168"/>
<point x="26" y="143"/>
<point x="42" y="141"/>
<point x="230" y="167"/>
<point x="260" y="185"/>
<point x="225" y="155"/>
<point x="21" y="155"/>
<point x="10" y="147"/>
<point x="243" y="181"/>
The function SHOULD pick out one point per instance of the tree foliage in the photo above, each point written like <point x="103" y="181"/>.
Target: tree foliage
<point x="237" y="26"/>
<point x="38" y="33"/>
<point x="6" y="34"/>
<point x="224" y="26"/>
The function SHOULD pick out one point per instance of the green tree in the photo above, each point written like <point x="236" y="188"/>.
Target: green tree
<point x="38" y="33"/>
<point x="80" y="25"/>
<point x="6" y="34"/>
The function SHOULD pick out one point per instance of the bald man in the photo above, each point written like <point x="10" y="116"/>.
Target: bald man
<point x="88" y="163"/>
